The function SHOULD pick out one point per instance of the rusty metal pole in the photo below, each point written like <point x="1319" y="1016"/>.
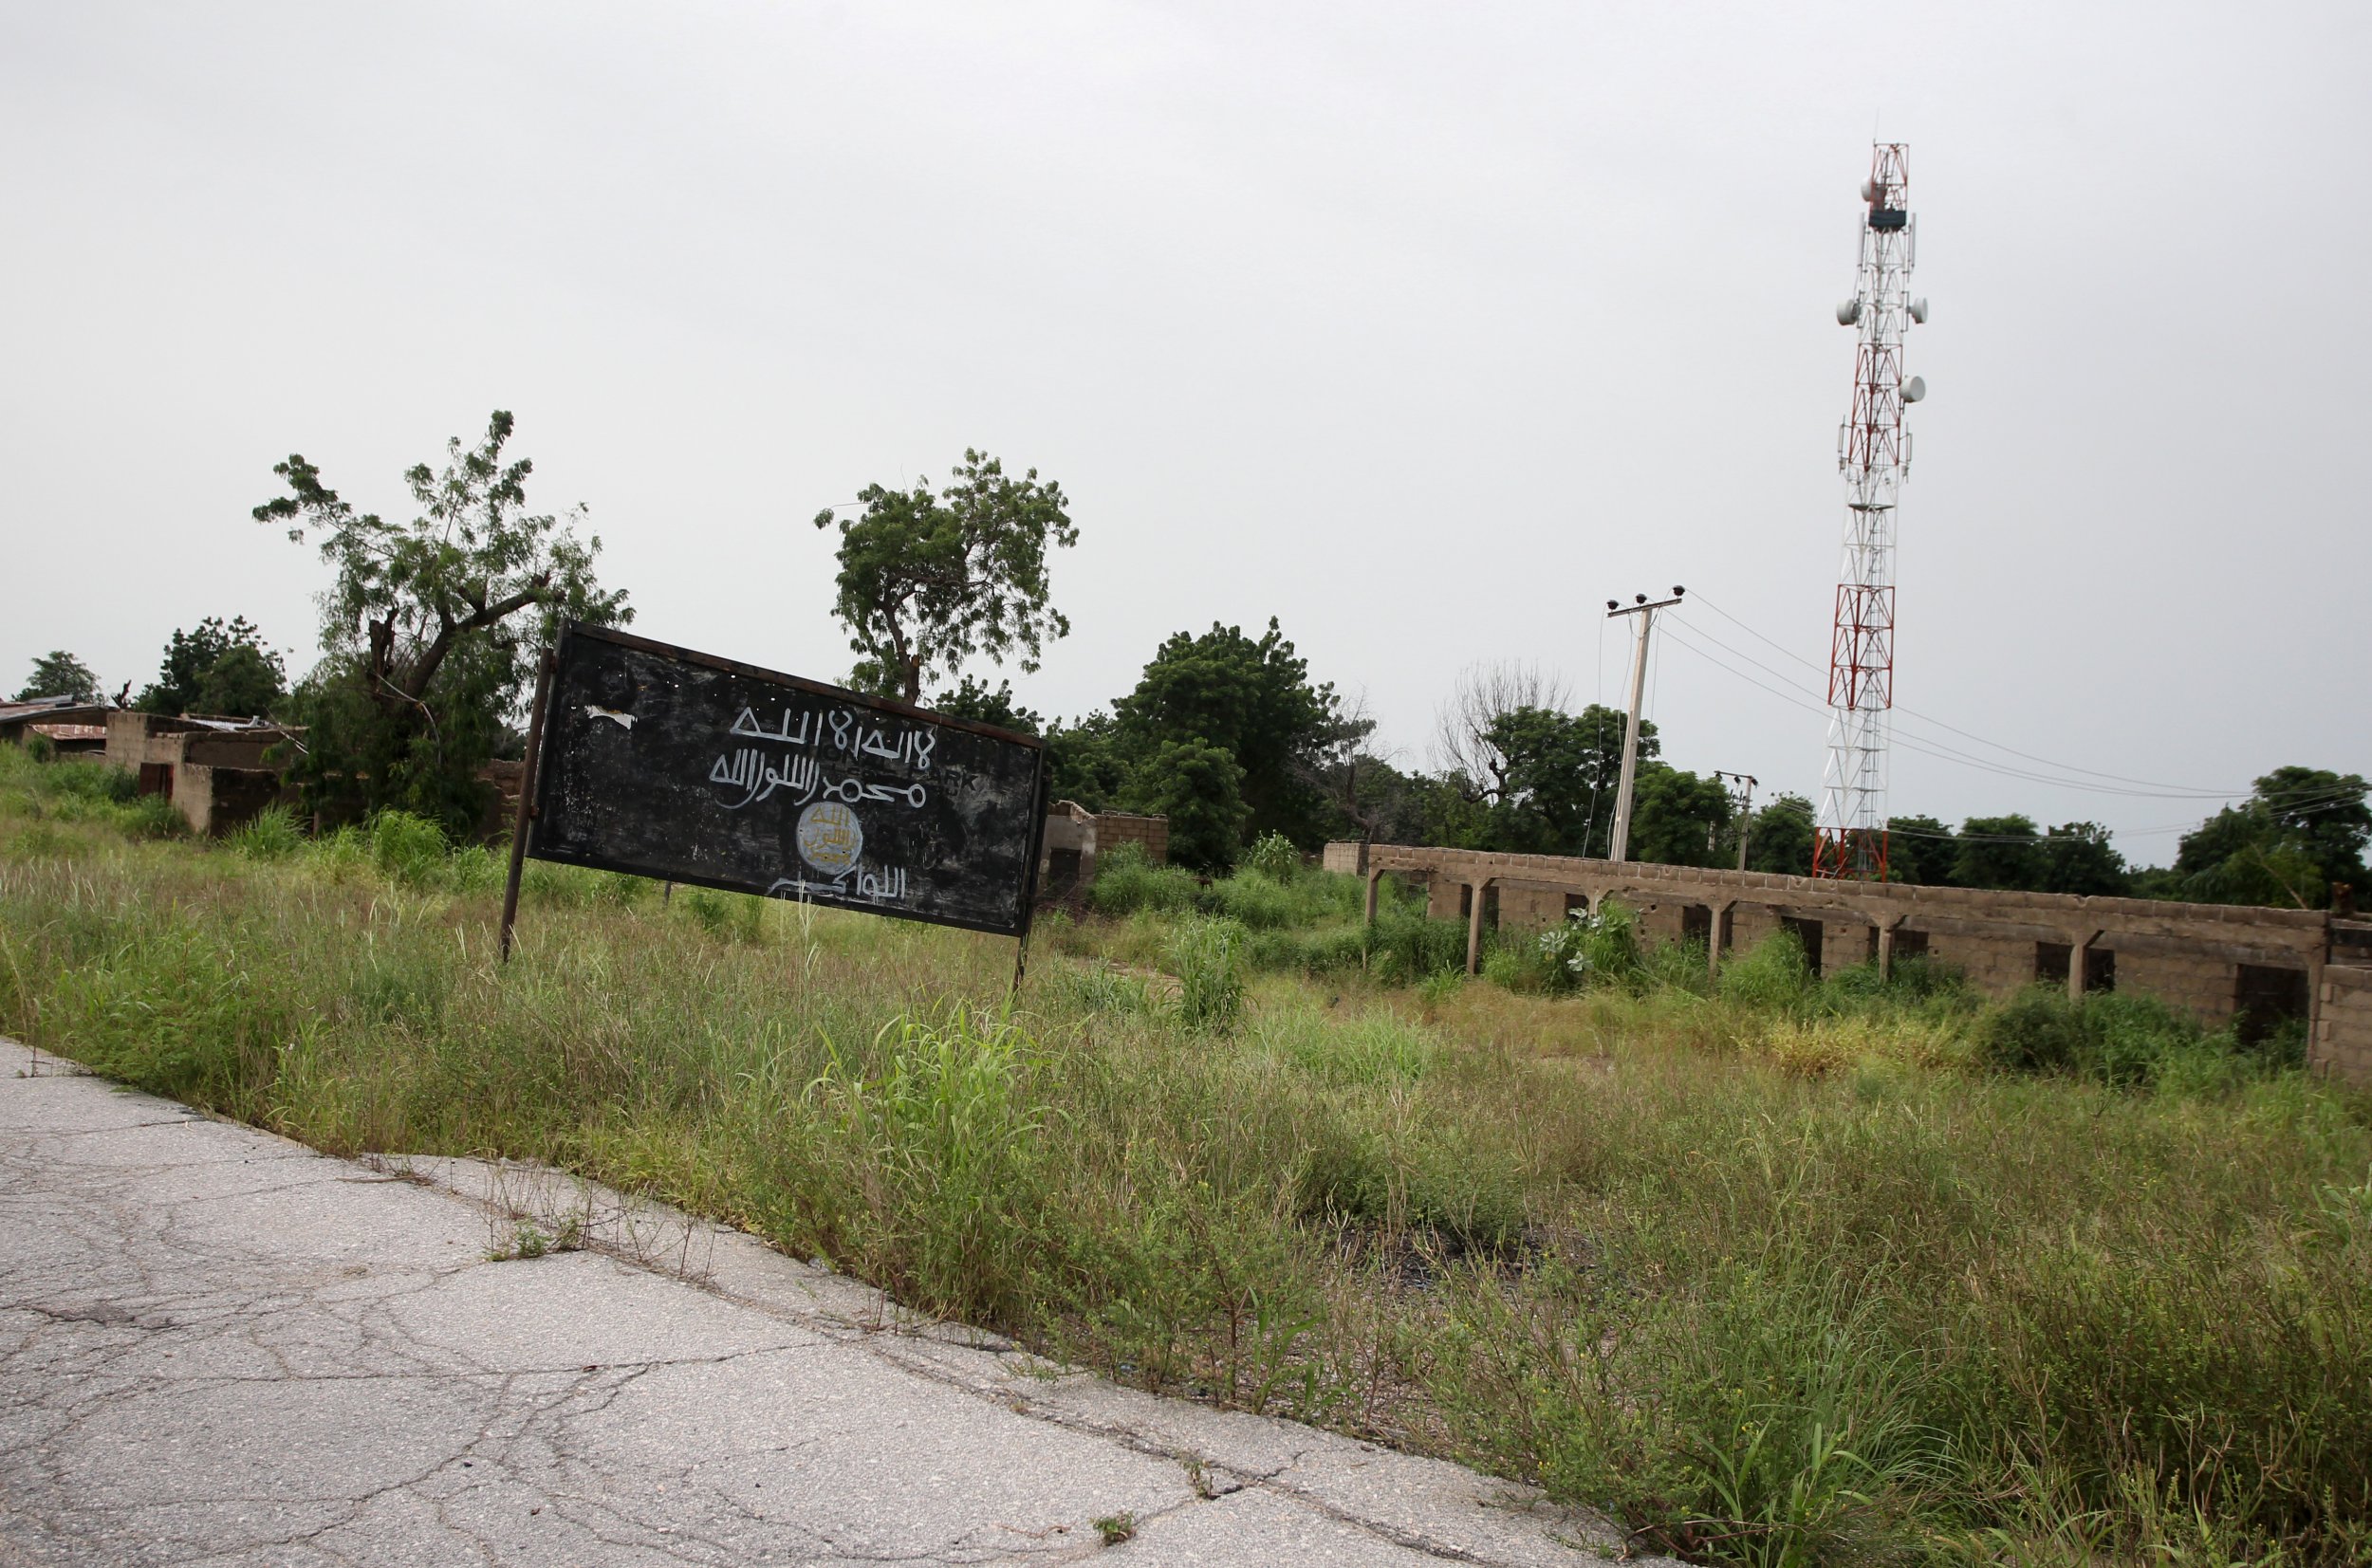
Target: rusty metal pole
<point x="526" y="800"/>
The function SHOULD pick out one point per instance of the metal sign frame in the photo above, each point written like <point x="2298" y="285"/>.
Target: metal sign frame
<point x="536" y="781"/>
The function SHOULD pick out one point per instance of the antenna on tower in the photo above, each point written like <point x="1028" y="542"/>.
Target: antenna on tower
<point x="1873" y="455"/>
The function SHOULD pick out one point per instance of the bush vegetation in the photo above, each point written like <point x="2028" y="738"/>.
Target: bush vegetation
<point x="1776" y="1270"/>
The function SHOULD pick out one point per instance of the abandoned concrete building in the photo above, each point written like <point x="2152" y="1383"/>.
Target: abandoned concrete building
<point x="213" y="769"/>
<point x="1075" y="836"/>
<point x="2226" y="964"/>
<point x="72" y="728"/>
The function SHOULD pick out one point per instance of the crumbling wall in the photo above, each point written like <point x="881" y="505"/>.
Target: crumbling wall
<point x="2208" y="959"/>
<point x="1115" y="828"/>
<point x="2341" y="1043"/>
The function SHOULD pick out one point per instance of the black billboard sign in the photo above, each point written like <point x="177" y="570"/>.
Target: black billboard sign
<point x="666" y="762"/>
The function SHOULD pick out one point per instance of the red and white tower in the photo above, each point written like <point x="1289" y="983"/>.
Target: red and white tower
<point x="1874" y="453"/>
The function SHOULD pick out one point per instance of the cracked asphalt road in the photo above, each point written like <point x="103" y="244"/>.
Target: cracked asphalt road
<point x="219" y="1347"/>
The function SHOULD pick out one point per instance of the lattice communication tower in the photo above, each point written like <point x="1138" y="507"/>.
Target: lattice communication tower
<point x="1874" y="453"/>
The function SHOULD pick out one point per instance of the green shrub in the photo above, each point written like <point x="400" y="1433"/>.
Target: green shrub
<point x="941" y="1140"/>
<point x="737" y="916"/>
<point x="1513" y="968"/>
<point x="1207" y="954"/>
<point x="476" y="868"/>
<point x="1772" y="974"/>
<point x="408" y="850"/>
<point x="1372" y="1048"/>
<point x="1126" y="881"/>
<point x="1677" y="966"/>
<point x="1441" y="986"/>
<point x="618" y="890"/>
<point x="151" y="817"/>
<point x="2125" y="1042"/>
<point x="1338" y="951"/>
<point x="271" y="834"/>
<point x="1251" y="900"/>
<point x="1405" y="946"/>
<point x="1588" y="950"/>
<point x="1103" y="990"/>
<point x="1274" y="857"/>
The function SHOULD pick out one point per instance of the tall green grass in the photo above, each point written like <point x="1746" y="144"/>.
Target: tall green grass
<point x="1779" y="1272"/>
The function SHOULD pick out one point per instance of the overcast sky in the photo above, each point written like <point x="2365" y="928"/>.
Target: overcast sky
<point x="1425" y="329"/>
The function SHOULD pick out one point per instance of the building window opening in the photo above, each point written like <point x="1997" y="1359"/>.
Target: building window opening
<point x="1809" y="933"/>
<point x="1697" y="924"/>
<point x="2052" y="960"/>
<point x="2264" y="999"/>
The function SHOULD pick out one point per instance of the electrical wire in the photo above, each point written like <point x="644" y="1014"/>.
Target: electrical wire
<point x="1944" y="750"/>
<point x="1965" y="734"/>
<point x="2307" y="801"/>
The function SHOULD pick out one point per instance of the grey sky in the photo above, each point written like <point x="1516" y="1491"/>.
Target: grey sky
<point x="1425" y="329"/>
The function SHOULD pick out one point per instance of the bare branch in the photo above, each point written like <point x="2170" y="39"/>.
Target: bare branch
<point x="1461" y="743"/>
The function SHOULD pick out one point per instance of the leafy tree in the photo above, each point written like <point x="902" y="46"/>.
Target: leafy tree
<point x="972" y="699"/>
<point x="219" y="668"/>
<point x="1252" y="699"/>
<point x="1087" y="761"/>
<point x="2304" y="829"/>
<point x="1198" y="786"/>
<point x="431" y="628"/>
<point x="1560" y="776"/>
<point x="1781" y="842"/>
<point x="1677" y="817"/>
<point x="1918" y="850"/>
<point x="927" y="581"/>
<point x="1542" y="781"/>
<point x="2002" y="852"/>
<point x="2078" y="859"/>
<point x="59" y="674"/>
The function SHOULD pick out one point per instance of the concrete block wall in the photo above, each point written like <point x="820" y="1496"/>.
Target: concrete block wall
<point x="2207" y="985"/>
<point x="1344" y="859"/>
<point x="2341" y="1043"/>
<point x="1531" y="907"/>
<point x="1749" y="923"/>
<point x="1115" y="828"/>
<point x="2189" y="955"/>
<point x="1997" y="966"/>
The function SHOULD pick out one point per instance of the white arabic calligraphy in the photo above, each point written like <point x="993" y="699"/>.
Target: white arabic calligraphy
<point x="887" y="886"/>
<point x="849" y="736"/>
<point x="748" y="770"/>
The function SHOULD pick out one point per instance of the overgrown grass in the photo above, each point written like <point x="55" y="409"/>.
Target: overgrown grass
<point x="1778" y="1272"/>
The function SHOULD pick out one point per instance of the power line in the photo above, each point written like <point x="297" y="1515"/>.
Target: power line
<point x="1948" y="752"/>
<point x="1965" y="734"/>
<point x="2306" y="800"/>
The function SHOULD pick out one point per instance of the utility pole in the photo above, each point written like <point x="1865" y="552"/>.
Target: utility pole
<point x="1620" y="848"/>
<point x="1742" y="803"/>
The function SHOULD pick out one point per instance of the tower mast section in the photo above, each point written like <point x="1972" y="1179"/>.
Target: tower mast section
<point x="1874" y="455"/>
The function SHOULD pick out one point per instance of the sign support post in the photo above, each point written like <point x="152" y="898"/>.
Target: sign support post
<point x="1029" y="888"/>
<point x="527" y="799"/>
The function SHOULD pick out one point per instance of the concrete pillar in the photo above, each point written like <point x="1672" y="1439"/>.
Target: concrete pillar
<point x="1717" y="937"/>
<point x="2078" y="943"/>
<point x="1887" y="947"/>
<point x="1473" y="926"/>
<point x="1372" y="878"/>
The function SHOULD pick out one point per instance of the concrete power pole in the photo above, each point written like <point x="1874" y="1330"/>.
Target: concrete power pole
<point x="1742" y="801"/>
<point x="1620" y="848"/>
